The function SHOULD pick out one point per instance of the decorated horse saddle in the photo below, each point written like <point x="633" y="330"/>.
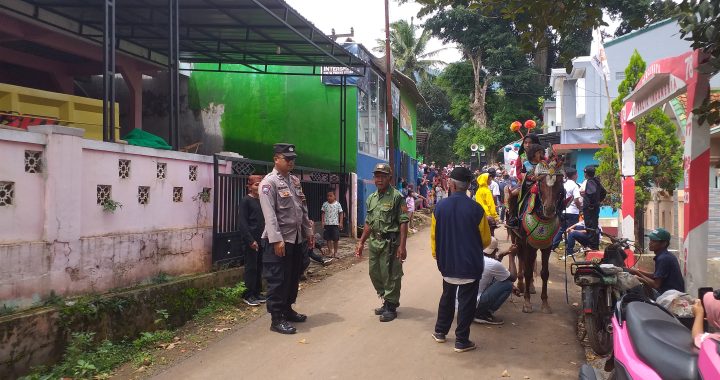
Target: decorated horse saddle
<point x="538" y="231"/>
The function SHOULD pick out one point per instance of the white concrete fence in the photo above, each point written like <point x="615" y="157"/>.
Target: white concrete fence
<point x="57" y="234"/>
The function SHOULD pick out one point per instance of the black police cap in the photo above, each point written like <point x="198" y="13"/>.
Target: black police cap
<point x="287" y="150"/>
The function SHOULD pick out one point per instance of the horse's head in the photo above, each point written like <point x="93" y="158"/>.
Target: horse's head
<point x="549" y="177"/>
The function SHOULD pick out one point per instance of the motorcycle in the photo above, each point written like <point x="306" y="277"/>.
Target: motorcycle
<point x="651" y="344"/>
<point x="598" y="278"/>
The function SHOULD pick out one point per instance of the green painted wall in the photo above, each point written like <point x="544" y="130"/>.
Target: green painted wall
<point x="262" y="109"/>
<point x="407" y="143"/>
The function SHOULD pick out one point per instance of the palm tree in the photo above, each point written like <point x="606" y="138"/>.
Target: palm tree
<point x="408" y="51"/>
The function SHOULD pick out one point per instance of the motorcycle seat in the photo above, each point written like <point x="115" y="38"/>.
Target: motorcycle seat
<point x="661" y="342"/>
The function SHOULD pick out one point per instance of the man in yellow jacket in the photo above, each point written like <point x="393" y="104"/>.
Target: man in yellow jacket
<point x="484" y="196"/>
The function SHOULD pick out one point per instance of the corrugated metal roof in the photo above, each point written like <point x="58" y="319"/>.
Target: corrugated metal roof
<point x="251" y="32"/>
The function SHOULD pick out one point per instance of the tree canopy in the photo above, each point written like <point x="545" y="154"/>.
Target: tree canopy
<point x="700" y="21"/>
<point x="409" y="50"/>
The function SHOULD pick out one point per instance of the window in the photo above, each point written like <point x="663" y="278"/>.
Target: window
<point x="620" y="75"/>
<point x="372" y="128"/>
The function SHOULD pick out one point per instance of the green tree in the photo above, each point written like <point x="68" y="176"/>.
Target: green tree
<point x="700" y="22"/>
<point x="409" y="50"/>
<point x="437" y="120"/>
<point x="557" y="29"/>
<point x="658" y="153"/>
<point x="489" y="44"/>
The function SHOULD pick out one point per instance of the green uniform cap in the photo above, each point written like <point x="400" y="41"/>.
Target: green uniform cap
<point x="382" y="168"/>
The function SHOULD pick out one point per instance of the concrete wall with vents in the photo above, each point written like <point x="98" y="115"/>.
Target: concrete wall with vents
<point x="55" y="234"/>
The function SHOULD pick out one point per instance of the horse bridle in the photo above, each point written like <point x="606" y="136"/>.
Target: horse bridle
<point x="548" y="173"/>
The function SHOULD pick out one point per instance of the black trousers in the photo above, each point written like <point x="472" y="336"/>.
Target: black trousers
<point x="253" y="270"/>
<point x="282" y="275"/>
<point x="467" y="299"/>
<point x="591" y="217"/>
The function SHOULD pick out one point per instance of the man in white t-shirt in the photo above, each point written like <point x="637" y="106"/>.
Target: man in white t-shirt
<point x="573" y="204"/>
<point x="494" y="288"/>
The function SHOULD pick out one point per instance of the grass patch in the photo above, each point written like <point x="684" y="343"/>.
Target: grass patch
<point x="85" y="358"/>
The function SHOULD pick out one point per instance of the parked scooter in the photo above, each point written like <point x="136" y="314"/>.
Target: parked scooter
<point x="599" y="293"/>
<point x="651" y="344"/>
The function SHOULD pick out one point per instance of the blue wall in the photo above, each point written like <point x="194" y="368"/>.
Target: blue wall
<point x="366" y="185"/>
<point x="583" y="158"/>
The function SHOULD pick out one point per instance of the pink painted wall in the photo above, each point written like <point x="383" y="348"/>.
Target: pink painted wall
<point x="100" y="167"/>
<point x="55" y="237"/>
<point x="22" y="220"/>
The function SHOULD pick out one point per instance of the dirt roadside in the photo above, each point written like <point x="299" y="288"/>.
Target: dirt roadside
<point x="342" y="339"/>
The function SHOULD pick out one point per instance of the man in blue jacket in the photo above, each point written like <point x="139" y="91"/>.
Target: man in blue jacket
<point x="459" y="233"/>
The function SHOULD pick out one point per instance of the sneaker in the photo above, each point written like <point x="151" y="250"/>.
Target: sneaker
<point x="488" y="319"/>
<point x="327" y="261"/>
<point x="261" y="299"/>
<point x="464" y="346"/>
<point x="251" y="301"/>
<point x="439" y="337"/>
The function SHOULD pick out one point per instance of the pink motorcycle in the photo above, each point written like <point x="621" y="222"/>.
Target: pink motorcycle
<point x="651" y="344"/>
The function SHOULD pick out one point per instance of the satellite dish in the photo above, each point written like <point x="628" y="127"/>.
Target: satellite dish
<point x="481" y="148"/>
<point x="475" y="147"/>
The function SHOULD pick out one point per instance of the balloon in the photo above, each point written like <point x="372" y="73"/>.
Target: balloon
<point x="530" y="124"/>
<point x="515" y="126"/>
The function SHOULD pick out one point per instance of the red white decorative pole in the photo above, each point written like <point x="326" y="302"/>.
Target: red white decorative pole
<point x="629" y="137"/>
<point x="696" y="162"/>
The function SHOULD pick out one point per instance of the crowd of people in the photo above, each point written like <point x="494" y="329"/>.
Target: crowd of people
<point x="279" y="238"/>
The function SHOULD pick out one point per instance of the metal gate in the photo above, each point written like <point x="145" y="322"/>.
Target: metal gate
<point x="230" y="187"/>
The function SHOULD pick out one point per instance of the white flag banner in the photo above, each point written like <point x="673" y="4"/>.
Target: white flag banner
<point x="597" y="54"/>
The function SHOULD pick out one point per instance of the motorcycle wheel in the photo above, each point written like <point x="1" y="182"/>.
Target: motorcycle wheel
<point x="596" y="325"/>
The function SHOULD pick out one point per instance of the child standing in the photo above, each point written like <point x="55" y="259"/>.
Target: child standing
<point x="410" y="203"/>
<point x="332" y="220"/>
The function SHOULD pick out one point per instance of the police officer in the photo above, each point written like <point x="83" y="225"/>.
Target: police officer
<point x="386" y="226"/>
<point x="286" y="227"/>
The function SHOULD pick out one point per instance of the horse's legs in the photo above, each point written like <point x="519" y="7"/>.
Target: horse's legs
<point x="535" y="272"/>
<point x="527" y="263"/>
<point x="545" y="274"/>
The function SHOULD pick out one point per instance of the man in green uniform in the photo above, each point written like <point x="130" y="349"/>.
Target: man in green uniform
<point x="386" y="227"/>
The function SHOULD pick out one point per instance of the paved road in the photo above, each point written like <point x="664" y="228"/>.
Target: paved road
<point x="342" y="339"/>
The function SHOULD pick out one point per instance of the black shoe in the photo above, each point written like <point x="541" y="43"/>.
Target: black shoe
<point x="488" y="319"/>
<point x="251" y="301"/>
<point x="389" y="314"/>
<point x="294" y="316"/>
<point x="439" y="337"/>
<point x="261" y="299"/>
<point x="380" y="310"/>
<point x="283" y="327"/>
<point x="464" y="346"/>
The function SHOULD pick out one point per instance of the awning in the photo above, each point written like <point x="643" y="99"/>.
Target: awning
<point x="567" y="148"/>
<point x="254" y="33"/>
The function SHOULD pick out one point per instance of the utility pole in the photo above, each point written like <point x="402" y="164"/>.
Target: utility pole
<point x="388" y="86"/>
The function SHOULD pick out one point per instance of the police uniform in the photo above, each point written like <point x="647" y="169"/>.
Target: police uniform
<point x="286" y="219"/>
<point x="385" y="213"/>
